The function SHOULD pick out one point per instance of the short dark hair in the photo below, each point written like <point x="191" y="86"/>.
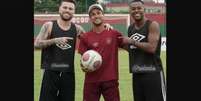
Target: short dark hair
<point x="136" y="1"/>
<point x="72" y="1"/>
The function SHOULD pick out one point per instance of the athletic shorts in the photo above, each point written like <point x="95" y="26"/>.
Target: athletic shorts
<point x="108" y="89"/>
<point x="57" y="86"/>
<point x="149" y="86"/>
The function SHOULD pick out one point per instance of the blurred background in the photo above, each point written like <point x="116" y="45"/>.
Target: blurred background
<point x="116" y="13"/>
<point x="111" y="6"/>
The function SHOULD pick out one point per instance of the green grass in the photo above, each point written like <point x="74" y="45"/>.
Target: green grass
<point x="125" y="80"/>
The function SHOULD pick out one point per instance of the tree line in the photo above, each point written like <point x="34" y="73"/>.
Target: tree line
<point x="51" y="6"/>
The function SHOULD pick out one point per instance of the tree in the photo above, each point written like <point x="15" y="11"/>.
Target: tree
<point x="46" y="6"/>
<point x="42" y="6"/>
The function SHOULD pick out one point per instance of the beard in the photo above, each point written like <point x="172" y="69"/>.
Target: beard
<point x="66" y="19"/>
<point x="97" y="22"/>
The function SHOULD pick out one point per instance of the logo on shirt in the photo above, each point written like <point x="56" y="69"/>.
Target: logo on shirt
<point x="63" y="47"/>
<point x="109" y="41"/>
<point x="95" y="44"/>
<point x="55" y="65"/>
<point x="143" y="68"/>
<point x="137" y="37"/>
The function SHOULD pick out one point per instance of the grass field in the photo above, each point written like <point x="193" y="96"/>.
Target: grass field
<point x="125" y="82"/>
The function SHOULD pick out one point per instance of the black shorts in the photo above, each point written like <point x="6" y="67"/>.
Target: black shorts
<point x="149" y="86"/>
<point x="57" y="86"/>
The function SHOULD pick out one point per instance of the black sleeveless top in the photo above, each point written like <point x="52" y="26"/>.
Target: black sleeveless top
<point x="141" y="61"/>
<point x="57" y="57"/>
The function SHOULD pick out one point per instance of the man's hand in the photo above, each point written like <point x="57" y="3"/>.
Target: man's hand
<point x="62" y="40"/>
<point x="108" y="26"/>
<point x="84" y="69"/>
<point x="127" y="40"/>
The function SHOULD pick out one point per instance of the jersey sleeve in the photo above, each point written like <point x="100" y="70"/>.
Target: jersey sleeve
<point x="82" y="45"/>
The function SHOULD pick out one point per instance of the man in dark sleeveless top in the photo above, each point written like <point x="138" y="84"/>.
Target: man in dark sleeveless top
<point x="144" y="56"/>
<point x="57" y="40"/>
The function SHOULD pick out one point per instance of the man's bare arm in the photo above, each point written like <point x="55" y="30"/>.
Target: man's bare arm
<point x="42" y="40"/>
<point x="80" y="30"/>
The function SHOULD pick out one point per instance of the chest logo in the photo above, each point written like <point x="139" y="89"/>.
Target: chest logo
<point x="95" y="44"/>
<point x="63" y="47"/>
<point x="137" y="37"/>
<point x="108" y="41"/>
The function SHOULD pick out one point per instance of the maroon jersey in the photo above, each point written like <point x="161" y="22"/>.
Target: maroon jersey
<point x="106" y="44"/>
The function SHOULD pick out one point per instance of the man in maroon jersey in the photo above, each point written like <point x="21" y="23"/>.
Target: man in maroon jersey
<point x="106" y="42"/>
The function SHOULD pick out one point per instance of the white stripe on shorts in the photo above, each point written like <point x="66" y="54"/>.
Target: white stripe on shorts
<point x="163" y="86"/>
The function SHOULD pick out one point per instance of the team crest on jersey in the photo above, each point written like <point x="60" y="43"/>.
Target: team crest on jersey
<point x="63" y="47"/>
<point x="95" y="44"/>
<point x="109" y="41"/>
<point x="137" y="37"/>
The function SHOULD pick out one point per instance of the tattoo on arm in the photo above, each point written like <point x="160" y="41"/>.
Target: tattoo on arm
<point x="41" y="40"/>
<point x="44" y="29"/>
